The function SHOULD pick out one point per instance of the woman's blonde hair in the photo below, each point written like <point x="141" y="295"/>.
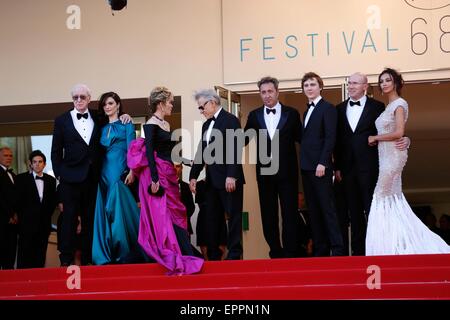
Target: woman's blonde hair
<point x="158" y="94"/>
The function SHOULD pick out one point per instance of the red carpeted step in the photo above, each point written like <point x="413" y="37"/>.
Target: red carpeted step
<point x="273" y="279"/>
<point x="291" y="292"/>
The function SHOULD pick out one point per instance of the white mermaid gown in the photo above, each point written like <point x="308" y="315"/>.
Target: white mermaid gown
<point x="392" y="227"/>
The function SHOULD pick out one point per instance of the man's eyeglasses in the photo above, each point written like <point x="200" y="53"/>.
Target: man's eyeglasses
<point x="81" y="97"/>
<point x="201" y="108"/>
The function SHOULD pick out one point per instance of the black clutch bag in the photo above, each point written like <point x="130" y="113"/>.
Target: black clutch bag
<point x="158" y="193"/>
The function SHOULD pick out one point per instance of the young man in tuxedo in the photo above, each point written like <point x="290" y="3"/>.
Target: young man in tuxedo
<point x="356" y="162"/>
<point x="219" y="151"/>
<point x="37" y="194"/>
<point x="8" y="214"/>
<point x="76" y="155"/>
<point x="317" y="144"/>
<point x="278" y="127"/>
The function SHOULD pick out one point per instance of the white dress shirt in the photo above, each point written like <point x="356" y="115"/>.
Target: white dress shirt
<point x="39" y="185"/>
<point x="354" y="112"/>
<point x="311" y="109"/>
<point x="83" y="126"/>
<point x="271" y="119"/>
<point x="211" y="125"/>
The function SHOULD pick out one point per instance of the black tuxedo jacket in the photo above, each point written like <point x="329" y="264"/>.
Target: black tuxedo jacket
<point x="222" y="167"/>
<point x="289" y="132"/>
<point x="352" y="150"/>
<point x="34" y="215"/>
<point x="8" y="196"/>
<point x="318" y="137"/>
<point x="71" y="156"/>
<point x="188" y="200"/>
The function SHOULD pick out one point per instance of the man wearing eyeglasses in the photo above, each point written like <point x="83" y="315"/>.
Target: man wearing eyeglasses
<point x="220" y="153"/>
<point x="356" y="163"/>
<point x="76" y="155"/>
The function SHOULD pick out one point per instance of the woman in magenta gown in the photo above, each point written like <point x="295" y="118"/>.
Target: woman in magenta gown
<point x="163" y="221"/>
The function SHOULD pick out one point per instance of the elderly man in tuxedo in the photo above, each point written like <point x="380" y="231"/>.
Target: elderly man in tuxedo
<point x="219" y="152"/>
<point x="76" y="155"/>
<point x="37" y="193"/>
<point x="356" y="162"/>
<point x="8" y="214"/>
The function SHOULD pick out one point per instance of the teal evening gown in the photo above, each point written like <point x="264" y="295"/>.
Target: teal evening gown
<point x="116" y="219"/>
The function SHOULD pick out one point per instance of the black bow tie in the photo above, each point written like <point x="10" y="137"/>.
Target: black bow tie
<point x="352" y="103"/>
<point x="10" y="170"/>
<point x="311" y="104"/>
<point x="82" y="115"/>
<point x="39" y="178"/>
<point x="213" y="118"/>
<point x="269" y="110"/>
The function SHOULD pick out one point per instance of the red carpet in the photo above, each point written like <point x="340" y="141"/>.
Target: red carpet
<point x="401" y="277"/>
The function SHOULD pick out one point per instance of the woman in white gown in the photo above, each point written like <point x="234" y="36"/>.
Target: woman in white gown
<point x="393" y="228"/>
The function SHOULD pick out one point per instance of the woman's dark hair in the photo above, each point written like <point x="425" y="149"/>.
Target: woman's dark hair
<point x="103" y="118"/>
<point x="396" y="78"/>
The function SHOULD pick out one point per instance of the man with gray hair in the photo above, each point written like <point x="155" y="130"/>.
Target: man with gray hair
<point x="219" y="150"/>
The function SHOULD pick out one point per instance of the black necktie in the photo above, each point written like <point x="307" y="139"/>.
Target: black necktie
<point x="310" y="104"/>
<point x="352" y="103"/>
<point x="273" y="110"/>
<point x="39" y="178"/>
<point x="82" y="115"/>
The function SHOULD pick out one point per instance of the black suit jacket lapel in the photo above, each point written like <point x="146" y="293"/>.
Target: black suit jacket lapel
<point x="364" y="114"/>
<point x="206" y="125"/>
<point x="260" y="117"/>
<point x="96" y="126"/>
<point x="33" y="187"/>
<point x="6" y="176"/>
<point x="204" y="131"/>
<point x="262" y="123"/>
<point x="46" y="188"/>
<point x="304" y="118"/>
<point x="344" y="116"/>
<point x="218" y="123"/>
<point x="94" y="133"/>
<point x="283" y="118"/>
<point x="312" y="116"/>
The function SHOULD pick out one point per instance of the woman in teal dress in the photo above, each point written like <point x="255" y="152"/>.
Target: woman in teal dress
<point x="116" y="220"/>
